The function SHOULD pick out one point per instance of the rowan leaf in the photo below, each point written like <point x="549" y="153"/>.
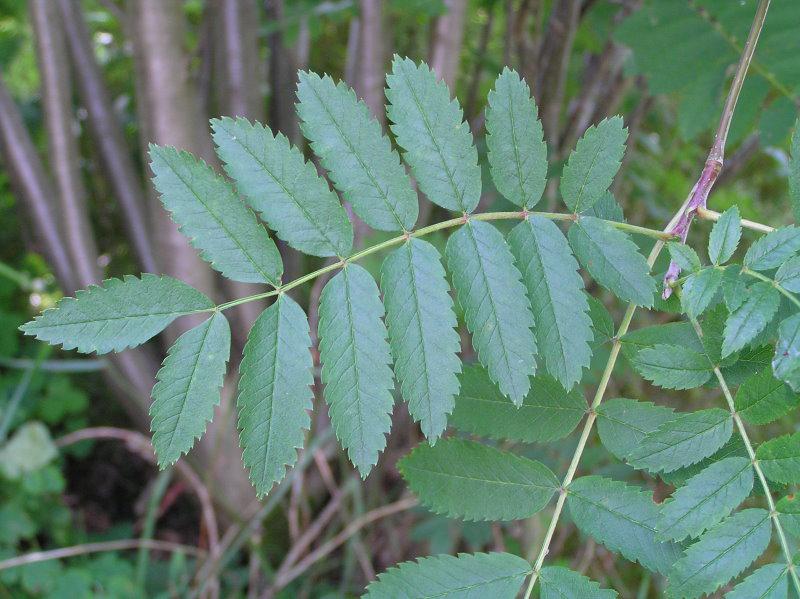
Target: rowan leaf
<point x="356" y="361"/>
<point x="762" y="398"/>
<point x="673" y="366"/>
<point x="515" y="139"/>
<point x="623" y="423"/>
<point x="591" y="167"/>
<point x="561" y="311"/>
<point x="749" y="319"/>
<point x="211" y="215"/>
<point x="699" y="289"/>
<point x="773" y="249"/>
<point x="421" y="324"/>
<point x="725" y="236"/>
<point x="788" y="275"/>
<point x="683" y="441"/>
<point x="768" y="582"/>
<point x="562" y="583"/>
<point x="468" y="576"/>
<point x="469" y="480"/>
<point x="720" y="554"/>
<point x="621" y="517"/>
<point x="612" y="259"/>
<point x="786" y="363"/>
<point x="547" y="413"/>
<point x="780" y="458"/>
<point x="275" y="392"/>
<point x="496" y="309"/>
<point x="706" y="499"/>
<point x="117" y="314"/>
<point x="684" y="256"/>
<point x="278" y="183"/>
<point x="788" y="508"/>
<point x="359" y="158"/>
<point x="187" y="388"/>
<point x="437" y="143"/>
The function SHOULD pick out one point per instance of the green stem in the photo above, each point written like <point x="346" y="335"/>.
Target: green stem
<point x="447" y="224"/>
<point x="773" y="513"/>
<point x="782" y="290"/>
<point x="713" y="216"/>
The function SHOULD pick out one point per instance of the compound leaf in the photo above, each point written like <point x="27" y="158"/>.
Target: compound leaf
<point x="547" y="413"/>
<point x="786" y="363"/>
<point x="562" y="583"/>
<point x="117" y="314"/>
<point x="672" y="366"/>
<point x="788" y="275"/>
<point x="593" y="164"/>
<point x="780" y="458"/>
<point x="188" y="388"/>
<point x="720" y="554"/>
<point x="356" y="360"/>
<point x="437" y="143"/>
<point x="768" y="582"/>
<point x="468" y="480"/>
<point x="749" y="319"/>
<point x="621" y="517"/>
<point x="275" y="392"/>
<point x="496" y="308"/>
<point x="623" y="423"/>
<point x="683" y="441"/>
<point x="725" y="236"/>
<point x="359" y="158"/>
<point x="561" y="311"/>
<point x="773" y="249"/>
<point x="612" y="259"/>
<point x="214" y="219"/>
<point x="468" y="576"/>
<point x="517" y="151"/>
<point x="706" y="499"/>
<point x="421" y="323"/>
<point x="283" y="188"/>
<point x="699" y="289"/>
<point x="762" y="398"/>
<point x="684" y="256"/>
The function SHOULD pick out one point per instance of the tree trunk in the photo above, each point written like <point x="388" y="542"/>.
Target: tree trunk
<point x="368" y="82"/>
<point x="448" y="34"/>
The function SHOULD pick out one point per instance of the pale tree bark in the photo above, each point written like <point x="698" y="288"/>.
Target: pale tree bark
<point x="448" y="35"/>
<point x="61" y="143"/>
<point x="368" y="82"/>
<point x="282" y="77"/>
<point x="172" y="116"/>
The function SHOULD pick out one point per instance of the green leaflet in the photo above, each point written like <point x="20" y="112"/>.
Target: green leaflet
<point x="786" y="363"/>
<point x="562" y="583"/>
<point x="612" y="259"/>
<point x="547" y="412"/>
<point x="789" y="513"/>
<point x="517" y="151"/>
<point x="592" y="165"/>
<point x="749" y="319"/>
<point x="768" y="582"/>
<point x="359" y="158"/>
<point x="672" y="366"/>
<point x="468" y="576"/>
<point x="671" y="333"/>
<point x="275" y="392"/>
<point x="606" y="208"/>
<point x="780" y="458"/>
<point x="684" y="256"/>
<point x="762" y="398"/>
<point x="550" y="273"/>
<point x="706" y="499"/>
<point x="602" y="322"/>
<point x="773" y="249"/>
<point x="734" y="287"/>
<point x="621" y="517"/>
<point x="424" y="342"/>
<point x="725" y="236"/>
<point x="187" y="388"/>
<point x="733" y="448"/>
<point x="699" y="289"/>
<point x="283" y="188"/>
<point x="623" y="423"/>
<point x="496" y="309"/>
<point x="216" y="222"/>
<point x="465" y="479"/>
<point x="117" y="314"/>
<point x="437" y="143"/>
<point x="720" y="554"/>
<point x="683" y="441"/>
<point x="788" y="275"/>
<point x="794" y="172"/>
<point x="356" y="363"/>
